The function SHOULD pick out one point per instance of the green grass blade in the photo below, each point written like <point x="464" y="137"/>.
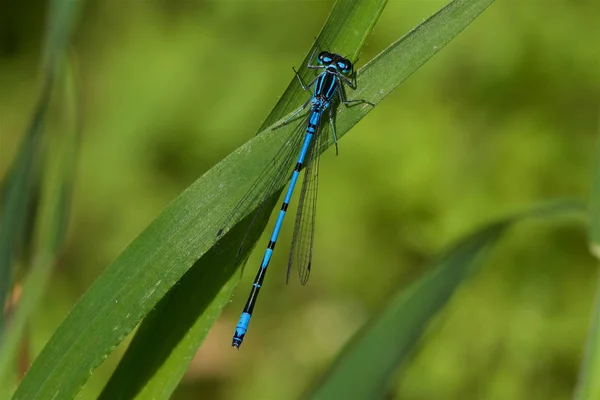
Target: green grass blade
<point x="17" y="188"/>
<point x="51" y="223"/>
<point x="62" y="17"/>
<point x="387" y="340"/>
<point x="175" y="336"/>
<point x="588" y="384"/>
<point x="183" y="234"/>
<point x="401" y="59"/>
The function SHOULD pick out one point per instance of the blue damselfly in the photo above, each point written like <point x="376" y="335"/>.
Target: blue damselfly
<point x="304" y="145"/>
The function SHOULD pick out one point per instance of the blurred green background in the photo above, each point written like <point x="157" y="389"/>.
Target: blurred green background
<point x="504" y="117"/>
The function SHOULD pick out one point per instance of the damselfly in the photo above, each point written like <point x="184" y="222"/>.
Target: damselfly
<point x="304" y="145"/>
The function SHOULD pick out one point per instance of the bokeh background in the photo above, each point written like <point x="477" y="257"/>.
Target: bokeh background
<point x="504" y="117"/>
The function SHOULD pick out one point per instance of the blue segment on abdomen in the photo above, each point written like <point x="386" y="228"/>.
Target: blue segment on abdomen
<point x="266" y="258"/>
<point x="242" y="325"/>
<point x="278" y="226"/>
<point x="293" y="181"/>
<point x="305" y="147"/>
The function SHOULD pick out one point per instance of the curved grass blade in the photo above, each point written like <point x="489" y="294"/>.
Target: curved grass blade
<point x="388" y="339"/>
<point x="181" y="236"/>
<point x="18" y="197"/>
<point x="22" y="177"/>
<point x="401" y="59"/>
<point x="164" y="371"/>
<point x="51" y="223"/>
<point x="141" y="276"/>
<point x="387" y="71"/>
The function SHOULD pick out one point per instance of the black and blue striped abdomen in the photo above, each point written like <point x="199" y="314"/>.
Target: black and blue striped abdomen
<point x="326" y="85"/>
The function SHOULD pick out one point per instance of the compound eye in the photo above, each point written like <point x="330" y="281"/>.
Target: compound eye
<point x="344" y="66"/>
<point x="325" y="58"/>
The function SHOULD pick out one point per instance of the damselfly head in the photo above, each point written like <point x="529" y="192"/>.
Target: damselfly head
<point x="340" y="63"/>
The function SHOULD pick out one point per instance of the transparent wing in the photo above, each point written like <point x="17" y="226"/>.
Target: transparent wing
<point x="271" y="179"/>
<point x="304" y="229"/>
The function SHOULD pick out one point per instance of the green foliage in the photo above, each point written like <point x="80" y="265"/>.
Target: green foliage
<point x="174" y="278"/>
<point x="388" y="339"/>
<point x="51" y="221"/>
<point x="43" y="169"/>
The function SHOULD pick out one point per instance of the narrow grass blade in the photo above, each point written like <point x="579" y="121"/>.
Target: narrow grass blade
<point x="17" y="188"/>
<point x="401" y="59"/>
<point x="50" y="227"/>
<point x="62" y="17"/>
<point x="388" y="339"/>
<point x="17" y="203"/>
<point x="177" y="325"/>
<point x="181" y="237"/>
<point x="17" y="191"/>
